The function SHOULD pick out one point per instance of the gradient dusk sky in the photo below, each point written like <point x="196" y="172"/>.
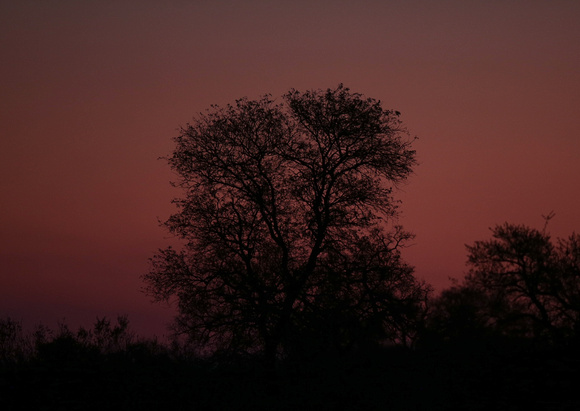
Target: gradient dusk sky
<point x="92" y="93"/>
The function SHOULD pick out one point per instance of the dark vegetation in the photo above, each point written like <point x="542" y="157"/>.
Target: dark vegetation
<point x="471" y="368"/>
<point x="287" y="225"/>
<point x="292" y="293"/>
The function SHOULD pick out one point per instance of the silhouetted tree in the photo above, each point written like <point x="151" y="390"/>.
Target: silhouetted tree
<point x="460" y="313"/>
<point x="531" y="283"/>
<point x="13" y="344"/>
<point x="284" y="220"/>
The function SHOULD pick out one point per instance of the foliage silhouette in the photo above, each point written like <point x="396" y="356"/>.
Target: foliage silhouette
<point x="531" y="283"/>
<point x="475" y="353"/>
<point x="521" y="285"/>
<point x="144" y="375"/>
<point x="284" y="219"/>
<point x="458" y="313"/>
<point x="13" y="345"/>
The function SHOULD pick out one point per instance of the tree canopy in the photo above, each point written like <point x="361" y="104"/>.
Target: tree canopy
<point x="287" y="225"/>
<point x="521" y="283"/>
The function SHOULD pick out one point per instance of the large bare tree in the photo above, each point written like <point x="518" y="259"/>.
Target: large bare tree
<point x="287" y="220"/>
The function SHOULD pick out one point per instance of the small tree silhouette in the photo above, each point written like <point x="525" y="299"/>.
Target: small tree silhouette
<point x="284" y="221"/>
<point x="14" y="346"/>
<point x="535" y="281"/>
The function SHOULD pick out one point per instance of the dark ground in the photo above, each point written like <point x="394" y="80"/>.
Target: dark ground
<point x="451" y="376"/>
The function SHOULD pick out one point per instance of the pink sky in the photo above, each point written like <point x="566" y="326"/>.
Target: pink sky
<point x="92" y="93"/>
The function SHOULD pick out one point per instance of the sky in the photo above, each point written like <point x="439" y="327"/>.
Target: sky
<point x="93" y="92"/>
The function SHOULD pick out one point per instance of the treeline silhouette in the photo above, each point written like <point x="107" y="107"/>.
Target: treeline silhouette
<point x="292" y="292"/>
<point x="79" y="371"/>
<point x="505" y="337"/>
